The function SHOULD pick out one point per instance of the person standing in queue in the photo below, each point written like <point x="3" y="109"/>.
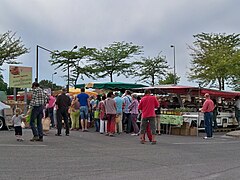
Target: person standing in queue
<point x="39" y="100"/>
<point x="83" y="99"/>
<point x="111" y="111"/>
<point x="127" y="122"/>
<point x="147" y="105"/>
<point x="237" y="109"/>
<point x="207" y="109"/>
<point x="63" y="103"/>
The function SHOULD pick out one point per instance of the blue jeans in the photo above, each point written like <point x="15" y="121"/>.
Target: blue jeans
<point x="97" y="124"/>
<point x="37" y="113"/>
<point x="84" y="112"/>
<point x="208" y="123"/>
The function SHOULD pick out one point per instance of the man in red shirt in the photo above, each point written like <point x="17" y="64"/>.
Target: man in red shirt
<point x="207" y="109"/>
<point x="147" y="105"/>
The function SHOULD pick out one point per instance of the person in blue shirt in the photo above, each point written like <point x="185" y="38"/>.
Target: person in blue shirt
<point x="119" y="103"/>
<point x="127" y="99"/>
<point x="83" y="99"/>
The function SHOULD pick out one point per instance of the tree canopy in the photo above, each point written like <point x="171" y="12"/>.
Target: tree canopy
<point x="170" y="79"/>
<point x="113" y="59"/>
<point x="76" y="60"/>
<point x="150" y="70"/>
<point x="215" y="58"/>
<point x="10" y="48"/>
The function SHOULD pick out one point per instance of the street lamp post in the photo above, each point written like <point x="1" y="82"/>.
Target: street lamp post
<point x="174" y="65"/>
<point x="36" y="79"/>
<point x="68" y="75"/>
<point x="52" y="78"/>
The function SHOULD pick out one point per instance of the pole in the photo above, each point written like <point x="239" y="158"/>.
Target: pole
<point x="36" y="79"/>
<point x="174" y="64"/>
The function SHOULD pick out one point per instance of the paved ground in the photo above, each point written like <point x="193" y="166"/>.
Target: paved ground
<point x="92" y="156"/>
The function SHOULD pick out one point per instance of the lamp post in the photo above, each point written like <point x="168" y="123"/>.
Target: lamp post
<point x="36" y="79"/>
<point x="174" y="65"/>
<point x="68" y="75"/>
<point x="52" y="78"/>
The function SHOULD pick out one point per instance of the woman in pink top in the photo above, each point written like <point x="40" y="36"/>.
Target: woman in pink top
<point x="103" y="122"/>
<point x="111" y="111"/>
<point x="133" y="108"/>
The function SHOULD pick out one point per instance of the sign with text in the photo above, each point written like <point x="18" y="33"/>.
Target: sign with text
<point x="20" y="77"/>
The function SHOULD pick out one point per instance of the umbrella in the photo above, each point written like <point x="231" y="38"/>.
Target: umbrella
<point x="74" y="91"/>
<point x="110" y="85"/>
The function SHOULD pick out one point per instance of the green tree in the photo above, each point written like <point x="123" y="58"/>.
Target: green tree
<point x="215" y="58"/>
<point x="10" y="48"/>
<point x="3" y="85"/>
<point x="169" y="79"/>
<point x="150" y="70"/>
<point x="76" y="60"/>
<point x="48" y="84"/>
<point x="113" y="60"/>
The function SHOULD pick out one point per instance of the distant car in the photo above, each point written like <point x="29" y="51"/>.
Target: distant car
<point x="6" y="114"/>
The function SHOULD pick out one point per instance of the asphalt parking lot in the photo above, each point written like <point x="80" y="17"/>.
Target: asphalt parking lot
<point x="91" y="156"/>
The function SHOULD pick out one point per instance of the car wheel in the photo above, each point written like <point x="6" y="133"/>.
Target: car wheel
<point x="2" y="124"/>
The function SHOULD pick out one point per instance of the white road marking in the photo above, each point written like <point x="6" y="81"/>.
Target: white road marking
<point x="209" y="142"/>
<point x="20" y="145"/>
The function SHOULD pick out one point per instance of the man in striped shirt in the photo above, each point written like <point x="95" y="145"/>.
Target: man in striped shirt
<point x="39" y="99"/>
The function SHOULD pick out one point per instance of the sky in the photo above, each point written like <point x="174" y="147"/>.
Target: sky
<point x="153" y="24"/>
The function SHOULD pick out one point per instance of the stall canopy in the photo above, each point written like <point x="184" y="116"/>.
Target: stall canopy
<point x="194" y="91"/>
<point x="110" y="85"/>
<point x="73" y="91"/>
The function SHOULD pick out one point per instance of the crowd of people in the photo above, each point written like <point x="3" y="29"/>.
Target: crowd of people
<point x="109" y="114"/>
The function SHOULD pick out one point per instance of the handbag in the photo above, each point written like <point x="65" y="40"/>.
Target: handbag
<point x="118" y="119"/>
<point x="46" y="124"/>
<point x="96" y="114"/>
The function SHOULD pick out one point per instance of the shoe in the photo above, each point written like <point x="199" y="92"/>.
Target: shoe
<point x="67" y="134"/>
<point x="154" y="142"/>
<point x="40" y="139"/>
<point x="58" y="135"/>
<point x="111" y="135"/>
<point x="133" y="134"/>
<point x="142" y="141"/>
<point x="35" y="138"/>
<point x="106" y="134"/>
<point x="205" y="137"/>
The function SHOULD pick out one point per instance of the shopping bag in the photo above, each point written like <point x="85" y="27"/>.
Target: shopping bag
<point x="96" y="114"/>
<point x="46" y="124"/>
<point x="118" y="118"/>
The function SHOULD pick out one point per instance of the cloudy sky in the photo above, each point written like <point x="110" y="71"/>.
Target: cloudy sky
<point x="153" y="24"/>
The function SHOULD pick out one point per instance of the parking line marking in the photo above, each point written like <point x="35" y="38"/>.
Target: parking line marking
<point x="209" y="142"/>
<point x="21" y="145"/>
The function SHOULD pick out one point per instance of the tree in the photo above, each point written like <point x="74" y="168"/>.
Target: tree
<point x="3" y="85"/>
<point x="48" y="84"/>
<point x="112" y="60"/>
<point x="76" y="60"/>
<point x="10" y="48"/>
<point x="169" y="79"/>
<point x="215" y="58"/>
<point x="149" y="70"/>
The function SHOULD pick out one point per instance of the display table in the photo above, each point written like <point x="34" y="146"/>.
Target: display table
<point x="171" y="119"/>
